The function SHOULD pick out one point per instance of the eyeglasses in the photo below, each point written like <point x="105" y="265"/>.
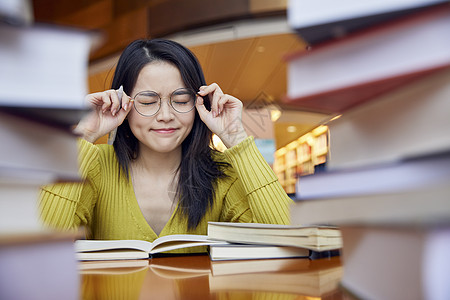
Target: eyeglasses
<point x="148" y="103"/>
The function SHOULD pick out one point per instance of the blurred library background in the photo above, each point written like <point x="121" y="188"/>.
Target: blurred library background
<point x="359" y="88"/>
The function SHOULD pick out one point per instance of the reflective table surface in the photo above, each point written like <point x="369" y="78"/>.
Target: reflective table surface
<point x="197" y="277"/>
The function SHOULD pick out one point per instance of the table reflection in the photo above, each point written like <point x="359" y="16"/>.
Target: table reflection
<point x="196" y="277"/>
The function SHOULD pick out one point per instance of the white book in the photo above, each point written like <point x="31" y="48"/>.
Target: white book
<point x="409" y="122"/>
<point x="44" y="66"/>
<point x="19" y="207"/>
<point x="36" y="148"/>
<point x="398" y="176"/>
<point x="248" y="251"/>
<point x="303" y="13"/>
<point x="420" y="206"/>
<point x="320" y="20"/>
<point x="316" y="238"/>
<point x="39" y="267"/>
<point x="396" y="263"/>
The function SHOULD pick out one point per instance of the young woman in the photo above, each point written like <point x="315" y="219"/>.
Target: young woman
<point x="161" y="175"/>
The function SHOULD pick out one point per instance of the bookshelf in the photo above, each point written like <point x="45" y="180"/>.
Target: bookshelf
<point x="300" y="157"/>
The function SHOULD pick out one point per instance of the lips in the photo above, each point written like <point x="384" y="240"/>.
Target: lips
<point x="164" y="130"/>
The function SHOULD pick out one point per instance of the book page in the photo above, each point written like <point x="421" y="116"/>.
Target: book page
<point x="99" y="245"/>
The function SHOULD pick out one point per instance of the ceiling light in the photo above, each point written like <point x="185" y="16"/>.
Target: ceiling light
<point x="291" y="129"/>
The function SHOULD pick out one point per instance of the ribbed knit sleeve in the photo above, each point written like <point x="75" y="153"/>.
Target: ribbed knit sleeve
<point x="69" y="205"/>
<point x="256" y="196"/>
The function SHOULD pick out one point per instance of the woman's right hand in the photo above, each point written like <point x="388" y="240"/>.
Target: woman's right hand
<point x="108" y="112"/>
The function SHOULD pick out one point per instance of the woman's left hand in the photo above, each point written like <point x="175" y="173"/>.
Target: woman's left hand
<point x="225" y="117"/>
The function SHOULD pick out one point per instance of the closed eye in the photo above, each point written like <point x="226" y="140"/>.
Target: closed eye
<point x="147" y="103"/>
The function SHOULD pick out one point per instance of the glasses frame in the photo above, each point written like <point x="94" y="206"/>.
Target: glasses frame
<point x="160" y="101"/>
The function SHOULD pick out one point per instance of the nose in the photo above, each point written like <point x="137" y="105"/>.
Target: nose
<point x="165" y="112"/>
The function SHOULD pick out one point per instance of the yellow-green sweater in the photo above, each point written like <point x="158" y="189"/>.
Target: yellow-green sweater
<point x="106" y="206"/>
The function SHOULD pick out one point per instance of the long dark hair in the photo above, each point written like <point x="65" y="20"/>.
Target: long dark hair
<point x="198" y="172"/>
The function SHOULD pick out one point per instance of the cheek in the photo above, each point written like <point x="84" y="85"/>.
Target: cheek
<point x="188" y="120"/>
<point x="136" y="120"/>
<point x="132" y="118"/>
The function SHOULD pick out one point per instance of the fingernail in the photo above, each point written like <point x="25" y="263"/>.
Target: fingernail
<point x="125" y="107"/>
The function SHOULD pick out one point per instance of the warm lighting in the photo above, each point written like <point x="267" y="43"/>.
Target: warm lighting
<point x="335" y="117"/>
<point x="281" y="152"/>
<point x="310" y="139"/>
<point x="319" y="130"/>
<point x="292" y="145"/>
<point x="275" y="114"/>
<point x="218" y="144"/>
<point x="291" y="129"/>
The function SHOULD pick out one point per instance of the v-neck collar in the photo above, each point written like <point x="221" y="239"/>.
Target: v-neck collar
<point x="139" y="217"/>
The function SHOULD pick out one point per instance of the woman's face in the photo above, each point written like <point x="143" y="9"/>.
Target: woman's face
<point x="166" y="130"/>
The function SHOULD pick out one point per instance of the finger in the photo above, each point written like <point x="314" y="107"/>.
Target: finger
<point x="210" y="89"/>
<point x="202" y="88"/>
<point x="126" y="102"/>
<point x="217" y="93"/>
<point x="201" y="109"/>
<point x="122" y="113"/>
<point x="95" y="99"/>
<point x="106" y="98"/>
<point x="206" y="89"/>
<point x="115" y="101"/>
<point x="221" y="103"/>
<point x="229" y="102"/>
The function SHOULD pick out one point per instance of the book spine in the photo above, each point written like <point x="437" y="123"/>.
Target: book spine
<point x="324" y="254"/>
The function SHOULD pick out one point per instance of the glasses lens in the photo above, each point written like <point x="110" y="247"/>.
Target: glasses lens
<point x="147" y="103"/>
<point x="183" y="100"/>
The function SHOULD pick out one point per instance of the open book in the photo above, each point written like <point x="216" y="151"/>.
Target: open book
<point x="137" y="249"/>
<point x="316" y="238"/>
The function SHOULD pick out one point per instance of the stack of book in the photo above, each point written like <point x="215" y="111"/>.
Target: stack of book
<point x="257" y="241"/>
<point x="226" y="241"/>
<point x="386" y="184"/>
<point x="42" y="89"/>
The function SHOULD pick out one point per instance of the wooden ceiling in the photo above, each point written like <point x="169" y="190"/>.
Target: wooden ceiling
<point x="249" y="66"/>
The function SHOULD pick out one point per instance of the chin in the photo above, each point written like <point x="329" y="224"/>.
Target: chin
<point x="166" y="146"/>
